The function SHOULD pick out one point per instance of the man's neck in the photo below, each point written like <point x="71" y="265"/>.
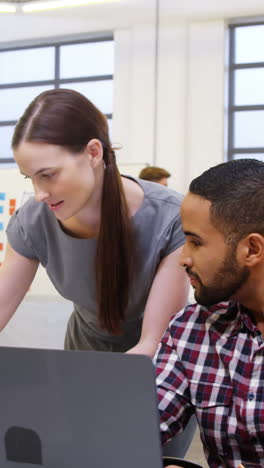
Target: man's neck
<point x="260" y="326"/>
<point x="252" y="297"/>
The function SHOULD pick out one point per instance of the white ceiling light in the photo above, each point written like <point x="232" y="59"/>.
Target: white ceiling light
<point x="7" y="8"/>
<point x="53" y="4"/>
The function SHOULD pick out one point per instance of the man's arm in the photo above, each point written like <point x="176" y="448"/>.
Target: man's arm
<point x="172" y="389"/>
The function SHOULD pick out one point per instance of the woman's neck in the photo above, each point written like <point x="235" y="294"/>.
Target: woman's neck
<point x="134" y="195"/>
<point x="86" y="223"/>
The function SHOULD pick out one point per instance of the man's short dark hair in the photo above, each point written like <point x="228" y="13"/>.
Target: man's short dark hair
<point x="236" y="192"/>
<point x="153" y="173"/>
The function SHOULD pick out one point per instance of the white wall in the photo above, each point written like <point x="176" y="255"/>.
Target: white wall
<point x="190" y="86"/>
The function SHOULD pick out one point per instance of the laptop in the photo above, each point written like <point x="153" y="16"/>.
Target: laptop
<point x="77" y="409"/>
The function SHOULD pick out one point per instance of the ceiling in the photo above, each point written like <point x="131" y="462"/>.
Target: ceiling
<point x="122" y="13"/>
<point x="140" y="8"/>
<point x="17" y="1"/>
<point x="145" y="10"/>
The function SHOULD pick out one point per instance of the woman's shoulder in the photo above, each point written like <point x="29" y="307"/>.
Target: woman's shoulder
<point x="28" y="229"/>
<point x="157" y="222"/>
<point x="160" y="206"/>
<point x="158" y="194"/>
<point x="32" y="213"/>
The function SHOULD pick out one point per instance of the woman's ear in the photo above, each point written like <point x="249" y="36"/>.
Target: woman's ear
<point x="252" y="249"/>
<point x="94" y="150"/>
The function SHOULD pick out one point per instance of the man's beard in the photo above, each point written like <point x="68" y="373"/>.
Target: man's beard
<point x="227" y="281"/>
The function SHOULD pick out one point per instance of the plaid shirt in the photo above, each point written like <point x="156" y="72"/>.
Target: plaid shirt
<point x="210" y="362"/>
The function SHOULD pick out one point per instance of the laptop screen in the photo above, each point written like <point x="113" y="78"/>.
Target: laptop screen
<point x="77" y="409"/>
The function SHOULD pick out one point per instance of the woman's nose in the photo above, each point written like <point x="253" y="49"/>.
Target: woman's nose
<point x="41" y="195"/>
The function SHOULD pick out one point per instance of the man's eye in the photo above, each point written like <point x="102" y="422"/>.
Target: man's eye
<point x="47" y="176"/>
<point x="196" y="243"/>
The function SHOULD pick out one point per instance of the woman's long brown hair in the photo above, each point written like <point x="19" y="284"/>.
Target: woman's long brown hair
<point x="66" y="118"/>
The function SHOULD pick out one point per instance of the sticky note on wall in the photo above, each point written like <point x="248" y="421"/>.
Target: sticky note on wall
<point x="1" y="226"/>
<point x="12" y="202"/>
<point x="1" y="209"/>
<point x="2" y="196"/>
<point x="12" y="206"/>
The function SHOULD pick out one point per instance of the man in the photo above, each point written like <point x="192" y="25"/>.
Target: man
<point x="210" y="361"/>
<point x="155" y="174"/>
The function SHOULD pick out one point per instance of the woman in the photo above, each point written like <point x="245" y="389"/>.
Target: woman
<point x="108" y="243"/>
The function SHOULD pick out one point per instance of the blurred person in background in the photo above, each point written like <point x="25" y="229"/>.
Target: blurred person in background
<point x="155" y="174"/>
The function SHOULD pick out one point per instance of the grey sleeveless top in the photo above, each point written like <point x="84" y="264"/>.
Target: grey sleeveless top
<point x="34" y="231"/>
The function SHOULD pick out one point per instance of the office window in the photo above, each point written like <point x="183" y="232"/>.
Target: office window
<point x="85" y="66"/>
<point x="246" y="91"/>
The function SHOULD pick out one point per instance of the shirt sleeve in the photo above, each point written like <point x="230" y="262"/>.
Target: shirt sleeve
<point x="18" y="235"/>
<point x="172" y="388"/>
<point x="173" y="237"/>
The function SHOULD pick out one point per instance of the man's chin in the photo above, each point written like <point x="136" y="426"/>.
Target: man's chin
<point x="210" y="301"/>
<point x="205" y="300"/>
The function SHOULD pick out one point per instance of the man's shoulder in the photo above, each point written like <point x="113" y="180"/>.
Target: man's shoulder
<point x="198" y="318"/>
<point x="198" y="309"/>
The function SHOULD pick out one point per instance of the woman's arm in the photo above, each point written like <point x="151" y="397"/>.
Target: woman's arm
<point x="16" y="275"/>
<point x="168" y="295"/>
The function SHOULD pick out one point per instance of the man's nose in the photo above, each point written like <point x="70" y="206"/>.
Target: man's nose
<point x="185" y="259"/>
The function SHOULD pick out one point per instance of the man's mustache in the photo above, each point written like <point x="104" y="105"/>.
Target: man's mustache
<point x="191" y="274"/>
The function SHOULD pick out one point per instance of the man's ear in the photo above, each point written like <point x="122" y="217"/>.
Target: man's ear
<point x="94" y="150"/>
<point x="251" y="249"/>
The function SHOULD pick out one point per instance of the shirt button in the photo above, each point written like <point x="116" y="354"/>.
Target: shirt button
<point x="251" y="396"/>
